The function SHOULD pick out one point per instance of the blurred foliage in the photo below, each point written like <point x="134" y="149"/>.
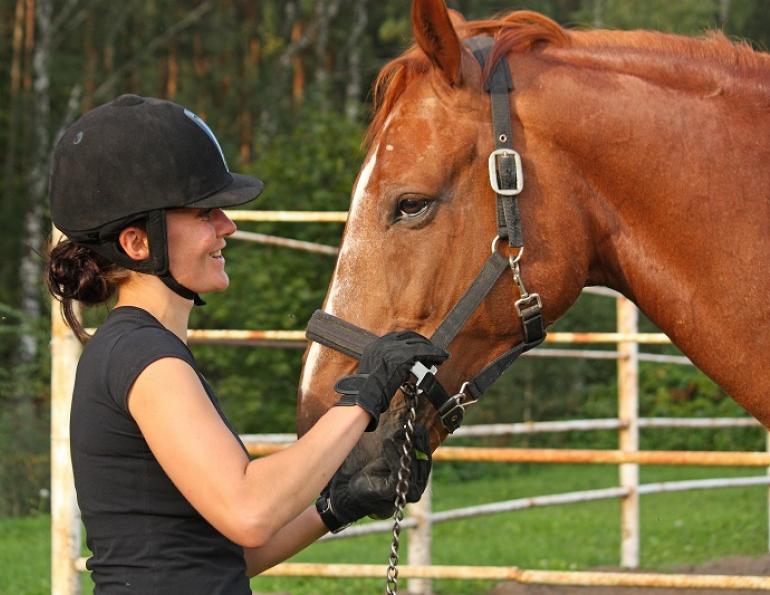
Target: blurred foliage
<point x="278" y="86"/>
<point x="24" y="420"/>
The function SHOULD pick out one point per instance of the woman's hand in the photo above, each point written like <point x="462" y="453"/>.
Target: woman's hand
<point x="350" y="496"/>
<point x="385" y="366"/>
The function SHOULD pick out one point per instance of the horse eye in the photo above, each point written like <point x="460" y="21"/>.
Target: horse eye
<point x="411" y="207"/>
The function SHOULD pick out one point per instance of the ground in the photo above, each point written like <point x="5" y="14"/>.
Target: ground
<point x="736" y="565"/>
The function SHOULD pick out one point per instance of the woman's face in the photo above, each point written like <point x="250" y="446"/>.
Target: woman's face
<point x="196" y="238"/>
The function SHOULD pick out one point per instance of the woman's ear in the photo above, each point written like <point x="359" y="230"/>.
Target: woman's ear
<point x="134" y="242"/>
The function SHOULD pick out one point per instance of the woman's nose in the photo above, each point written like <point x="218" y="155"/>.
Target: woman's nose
<point x="225" y="226"/>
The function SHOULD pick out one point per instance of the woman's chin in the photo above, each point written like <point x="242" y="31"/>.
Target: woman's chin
<point x="215" y="286"/>
<point x="223" y="284"/>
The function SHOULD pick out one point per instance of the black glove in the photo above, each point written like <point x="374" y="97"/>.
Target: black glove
<point x="385" y="366"/>
<point x="371" y="491"/>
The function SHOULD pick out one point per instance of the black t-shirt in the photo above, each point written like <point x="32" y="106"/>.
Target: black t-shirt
<point x="145" y="536"/>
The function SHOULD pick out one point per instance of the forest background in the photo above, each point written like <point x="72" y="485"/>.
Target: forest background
<point x="285" y="84"/>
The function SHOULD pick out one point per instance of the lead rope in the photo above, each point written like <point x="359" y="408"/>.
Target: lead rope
<point x="402" y="486"/>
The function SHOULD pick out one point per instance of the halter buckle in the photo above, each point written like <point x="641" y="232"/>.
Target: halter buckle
<point x="528" y="304"/>
<point x="452" y="411"/>
<point x="494" y="168"/>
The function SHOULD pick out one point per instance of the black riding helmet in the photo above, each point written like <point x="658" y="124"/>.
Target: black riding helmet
<point x="129" y="161"/>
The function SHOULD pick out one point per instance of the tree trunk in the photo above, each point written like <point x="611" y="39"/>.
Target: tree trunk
<point x="117" y="19"/>
<point x="250" y="64"/>
<point x="298" y="68"/>
<point x="14" y="116"/>
<point x="172" y="72"/>
<point x="290" y="59"/>
<point x="353" y="86"/>
<point x="34" y="238"/>
<point x="325" y="11"/>
<point x="29" y="43"/>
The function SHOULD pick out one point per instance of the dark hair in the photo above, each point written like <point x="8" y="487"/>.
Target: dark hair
<point x="76" y="272"/>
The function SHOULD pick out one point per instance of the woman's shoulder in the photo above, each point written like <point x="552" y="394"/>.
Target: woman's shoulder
<point x="130" y="333"/>
<point x="124" y="345"/>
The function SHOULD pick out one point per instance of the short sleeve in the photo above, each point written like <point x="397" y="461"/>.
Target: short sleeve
<point x="136" y="350"/>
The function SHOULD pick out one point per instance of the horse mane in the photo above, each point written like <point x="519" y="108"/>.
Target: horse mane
<point x="709" y="63"/>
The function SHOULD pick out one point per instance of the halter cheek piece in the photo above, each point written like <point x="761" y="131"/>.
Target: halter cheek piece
<point x="506" y="179"/>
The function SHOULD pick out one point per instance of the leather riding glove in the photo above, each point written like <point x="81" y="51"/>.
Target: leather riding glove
<point x="385" y="366"/>
<point x="371" y="490"/>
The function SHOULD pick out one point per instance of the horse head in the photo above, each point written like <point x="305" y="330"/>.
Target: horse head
<point x="422" y="221"/>
<point x="601" y="201"/>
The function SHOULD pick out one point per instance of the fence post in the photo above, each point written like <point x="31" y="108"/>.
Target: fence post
<point x="628" y="412"/>
<point x="420" y="540"/>
<point x="65" y="516"/>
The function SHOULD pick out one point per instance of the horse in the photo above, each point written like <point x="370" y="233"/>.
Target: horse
<point x="644" y="158"/>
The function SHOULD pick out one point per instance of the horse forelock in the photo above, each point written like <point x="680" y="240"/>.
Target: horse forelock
<point x="702" y="63"/>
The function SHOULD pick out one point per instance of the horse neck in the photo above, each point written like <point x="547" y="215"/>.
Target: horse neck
<point x="679" y="211"/>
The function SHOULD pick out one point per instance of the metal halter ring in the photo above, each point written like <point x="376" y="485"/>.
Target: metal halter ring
<point x="515" y="260"/>
<point x="511" y="259"/>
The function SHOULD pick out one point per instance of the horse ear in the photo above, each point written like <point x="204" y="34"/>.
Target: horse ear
<point x="436" y="36"/>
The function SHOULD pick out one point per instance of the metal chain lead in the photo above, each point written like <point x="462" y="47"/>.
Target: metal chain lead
<point x="402" y="487"/>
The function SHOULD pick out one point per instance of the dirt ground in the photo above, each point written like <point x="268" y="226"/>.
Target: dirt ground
<point x="737" y="565"/>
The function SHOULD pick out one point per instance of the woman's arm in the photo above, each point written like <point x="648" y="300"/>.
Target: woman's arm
<point x="295" y="536"/>
<point x="247" y="501"/>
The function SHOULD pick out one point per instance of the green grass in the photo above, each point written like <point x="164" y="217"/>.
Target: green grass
<point x="25" y="555"/>
<point x="677" y="529"/>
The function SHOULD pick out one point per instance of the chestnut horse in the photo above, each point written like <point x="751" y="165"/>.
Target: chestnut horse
<point x="645" y="160"/>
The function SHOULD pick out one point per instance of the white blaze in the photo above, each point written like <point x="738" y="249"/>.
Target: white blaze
<point x="340" y="288"/>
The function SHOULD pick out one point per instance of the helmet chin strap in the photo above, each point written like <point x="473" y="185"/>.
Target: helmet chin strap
<point x="158" y="238"/>
<point x="180" y="289"/>
<point x="157" y="264"/>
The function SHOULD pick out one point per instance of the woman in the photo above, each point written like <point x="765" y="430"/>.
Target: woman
<point x="170" y="501"/>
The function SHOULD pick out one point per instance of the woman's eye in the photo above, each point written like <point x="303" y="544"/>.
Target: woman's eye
<point x="205" y="214"/>
<point x="411" y="207"/>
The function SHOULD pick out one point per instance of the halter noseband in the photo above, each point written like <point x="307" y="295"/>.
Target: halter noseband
<point x="506" y="179"/>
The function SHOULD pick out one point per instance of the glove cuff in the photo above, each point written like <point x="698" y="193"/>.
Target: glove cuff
<point x="350" y="387"/>
<point x="324" y="507"/>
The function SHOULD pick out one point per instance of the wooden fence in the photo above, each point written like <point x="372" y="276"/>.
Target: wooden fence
<point x="66" y="562"/>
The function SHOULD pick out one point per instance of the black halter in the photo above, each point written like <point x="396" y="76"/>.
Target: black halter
<point x="506" y="179"/>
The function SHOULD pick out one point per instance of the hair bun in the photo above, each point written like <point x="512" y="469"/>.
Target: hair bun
<point x="78" y="273"/>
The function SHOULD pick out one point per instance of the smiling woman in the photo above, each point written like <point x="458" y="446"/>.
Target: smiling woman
<point x="169" y="498"/>
<point x="196" y="240"/>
